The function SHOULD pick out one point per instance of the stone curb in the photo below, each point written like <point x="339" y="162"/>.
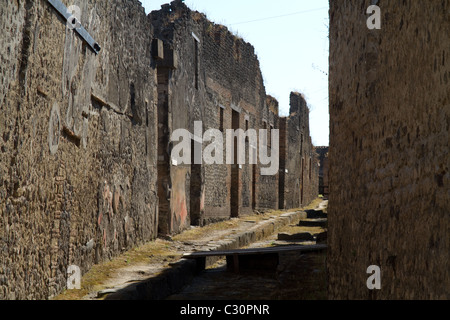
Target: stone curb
<point x="181" y="273"/>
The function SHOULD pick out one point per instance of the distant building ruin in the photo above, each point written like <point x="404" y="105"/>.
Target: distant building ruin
<point x="389" y="200"/>
<point x="85" y="166"/>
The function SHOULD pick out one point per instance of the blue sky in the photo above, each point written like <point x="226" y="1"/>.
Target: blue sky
<point x="291" y="41"/>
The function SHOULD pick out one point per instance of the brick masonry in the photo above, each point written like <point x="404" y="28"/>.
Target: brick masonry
<point x="389" y="142"/>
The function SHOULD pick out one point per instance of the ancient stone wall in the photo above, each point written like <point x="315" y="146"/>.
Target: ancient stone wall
<point x="217" y="81"/>
<point x="77" y="163"/>
<point x="182" y="186"/>
<point x="234" y="84"/>
<point x="389" y="142"/>
<point x="267" y="198"/>
<point x="85" y="152"/>
<point x="324" y="168"/>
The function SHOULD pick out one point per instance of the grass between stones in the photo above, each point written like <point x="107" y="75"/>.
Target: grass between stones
<point x="155" y="252"/>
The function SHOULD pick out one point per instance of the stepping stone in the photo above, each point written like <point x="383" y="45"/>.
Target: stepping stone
<point x="304" y="236"/>
<point x="316" y="214"/>
<point x="313" y="223"/>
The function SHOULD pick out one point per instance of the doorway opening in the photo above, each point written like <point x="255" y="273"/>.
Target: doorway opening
<point x="195" y="186"/>
<point x="235" y="189"/>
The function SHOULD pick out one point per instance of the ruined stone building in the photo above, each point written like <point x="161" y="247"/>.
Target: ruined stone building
<point x="85" y="138"/>
<point x="389" y="202"/>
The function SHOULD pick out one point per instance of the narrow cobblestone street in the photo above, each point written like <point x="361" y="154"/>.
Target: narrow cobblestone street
<point x="299" y="276"/>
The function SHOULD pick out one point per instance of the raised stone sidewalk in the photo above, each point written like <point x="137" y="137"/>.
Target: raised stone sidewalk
<point x="181" y="273"/>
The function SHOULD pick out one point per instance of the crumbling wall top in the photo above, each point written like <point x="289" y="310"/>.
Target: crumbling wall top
<point x="298" y="103"/>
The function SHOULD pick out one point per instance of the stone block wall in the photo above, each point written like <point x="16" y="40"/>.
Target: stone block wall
<point x="77" y="166"/>
<point x="217" y="81"/>
<point x="389" y="150"/>
<point x="301" y="166"/>
<point x="324" y="167"/>
<point x="85" y="166"/>
<point x="267" y="198"/>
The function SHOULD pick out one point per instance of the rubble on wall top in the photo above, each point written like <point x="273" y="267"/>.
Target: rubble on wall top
<point x="178" y="10"/>
<point x="296" y="93"/>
